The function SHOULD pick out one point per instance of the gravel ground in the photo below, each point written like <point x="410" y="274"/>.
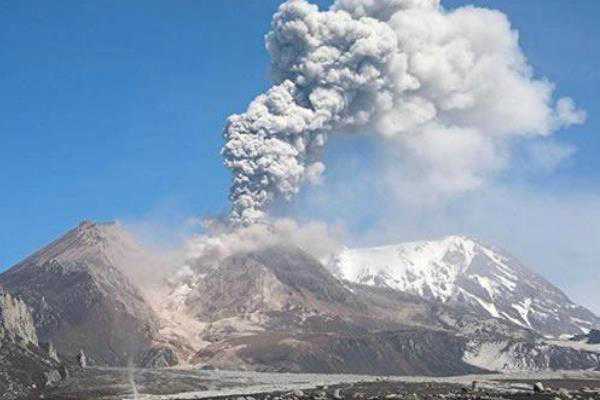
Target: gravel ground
<point x="177" y="383"/>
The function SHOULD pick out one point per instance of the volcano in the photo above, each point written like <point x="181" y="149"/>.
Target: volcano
<point x="447" y="307"/>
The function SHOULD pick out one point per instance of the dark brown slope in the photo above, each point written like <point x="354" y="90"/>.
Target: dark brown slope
<point x="80" y="297"/>
<point x="399" y="352"/>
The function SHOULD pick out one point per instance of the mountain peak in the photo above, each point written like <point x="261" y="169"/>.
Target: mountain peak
<point x="462" y="269"/>
<point x="89" y="240"/>
<point x="87" y="224"/>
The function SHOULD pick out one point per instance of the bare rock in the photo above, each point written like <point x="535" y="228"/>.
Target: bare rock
<point x="82" y="359"/>
<point x="158" y="357"/>
<point x="538" y="387"/>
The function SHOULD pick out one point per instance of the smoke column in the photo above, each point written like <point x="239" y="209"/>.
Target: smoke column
<point x="448" y="89"/>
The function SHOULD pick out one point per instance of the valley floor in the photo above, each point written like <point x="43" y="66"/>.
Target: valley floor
<point x="178" y="383"/>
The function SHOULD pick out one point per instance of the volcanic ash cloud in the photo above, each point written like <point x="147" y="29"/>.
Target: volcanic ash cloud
<point x="447" y="89"/>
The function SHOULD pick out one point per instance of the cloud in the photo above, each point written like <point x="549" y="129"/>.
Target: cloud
<point x="547" y="156"/>
<point x="449" y="92"/>
<point x="568" y="114"/>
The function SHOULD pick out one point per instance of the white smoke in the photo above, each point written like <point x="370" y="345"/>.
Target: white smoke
<point x="220" y="241"/>
<point x="449" y="91"/>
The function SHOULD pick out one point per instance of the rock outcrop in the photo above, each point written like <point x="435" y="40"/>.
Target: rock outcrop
<point x="16" y="322"/>
<point x="25" y="366"/>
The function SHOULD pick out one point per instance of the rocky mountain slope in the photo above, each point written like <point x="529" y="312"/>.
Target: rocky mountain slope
<point x="25" y="365"/>
<point x="464" y="271"/>
<point x="81" y="298"/>
<point x="278" y="309"/>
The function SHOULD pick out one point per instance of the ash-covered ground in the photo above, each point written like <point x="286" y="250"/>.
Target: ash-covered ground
<point x="179" y="383"/>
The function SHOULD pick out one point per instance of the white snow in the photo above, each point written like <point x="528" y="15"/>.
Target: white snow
<point x="524" y="308"/>
<point x="447" y="268"/>
<point x="421" y="268"/>
<point x="489" y="307"/>
<point x="487" y="284"/>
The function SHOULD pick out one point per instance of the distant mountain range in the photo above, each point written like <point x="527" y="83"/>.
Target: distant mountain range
<point x="451" y="306"/>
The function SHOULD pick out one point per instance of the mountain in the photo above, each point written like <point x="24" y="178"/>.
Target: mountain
<point x="459" y="270"/>
<point x="25" y="365"/>
<point x="279" y="309"/>
<point x="81" y="296"/>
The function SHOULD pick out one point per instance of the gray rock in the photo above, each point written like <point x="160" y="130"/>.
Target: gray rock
<point x="337" y="394"/>
<point x="52" y="377"/>
<point x="16" y="321"/>
<point x="64" y="371"/>
<point x="538" y="387"/>
<point x="158" y="357"/>
<point x="564" y="393"/>
<point x="320" y="395"/>
<point x="24" y="365"/>
<point x="82" y="359"/>
<point x="50" y="350"/>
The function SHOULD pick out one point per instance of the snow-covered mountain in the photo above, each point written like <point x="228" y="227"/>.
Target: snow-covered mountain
<point x="459" y="269"/>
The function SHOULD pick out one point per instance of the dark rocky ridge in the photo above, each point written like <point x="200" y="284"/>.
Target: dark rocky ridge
<point x="400" y="352"/>
<point x="592" y="337"/>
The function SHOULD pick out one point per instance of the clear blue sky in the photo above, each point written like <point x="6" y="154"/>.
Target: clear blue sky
<point x="113" y="109"/>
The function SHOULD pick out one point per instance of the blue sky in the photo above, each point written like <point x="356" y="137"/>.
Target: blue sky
<point x="113" y="110"/>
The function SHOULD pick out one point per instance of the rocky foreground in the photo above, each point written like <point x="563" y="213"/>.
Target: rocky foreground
<point x="491" y="390"/>
<point x="172" y="384"/>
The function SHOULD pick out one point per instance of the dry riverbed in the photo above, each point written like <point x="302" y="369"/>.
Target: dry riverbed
<point x="178" y="383"/>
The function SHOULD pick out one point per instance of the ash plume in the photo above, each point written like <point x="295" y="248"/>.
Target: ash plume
<point x="220" y="241"/>
<point x="449" y="91"/>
